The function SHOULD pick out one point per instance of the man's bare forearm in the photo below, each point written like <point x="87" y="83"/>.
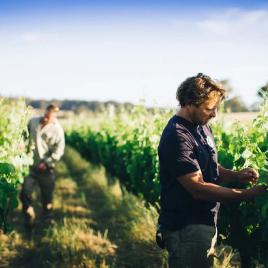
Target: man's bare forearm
<point x="213" y="192"/>
<point x="227" y="175"/>
<point x="201" y="190"/>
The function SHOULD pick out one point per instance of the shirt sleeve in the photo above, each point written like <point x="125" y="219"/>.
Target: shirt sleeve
<point x="182" y="158"/>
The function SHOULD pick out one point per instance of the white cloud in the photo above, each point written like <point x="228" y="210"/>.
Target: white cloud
<point x="235" y="22"/>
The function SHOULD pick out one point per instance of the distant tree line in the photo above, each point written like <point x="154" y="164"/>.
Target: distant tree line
<point x="231" y="104"/>
<point x="79" y="106"/>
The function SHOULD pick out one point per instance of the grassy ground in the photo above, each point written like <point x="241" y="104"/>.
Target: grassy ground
<point x="95" y="225"/>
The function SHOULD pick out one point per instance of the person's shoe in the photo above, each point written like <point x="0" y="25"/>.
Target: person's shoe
<point x="29" y="217"/>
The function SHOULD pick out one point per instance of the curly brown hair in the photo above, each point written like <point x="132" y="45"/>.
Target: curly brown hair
<point x="196" y="90"/>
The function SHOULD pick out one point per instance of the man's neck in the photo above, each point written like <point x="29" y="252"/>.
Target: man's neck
<point x="184" y="114"/>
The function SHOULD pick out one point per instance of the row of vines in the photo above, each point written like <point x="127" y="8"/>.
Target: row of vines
<point x="14" y="161"/>
<point x="126" y="144"/>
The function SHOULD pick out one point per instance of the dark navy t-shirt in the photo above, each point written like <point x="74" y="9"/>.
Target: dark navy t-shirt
<point x="185" y="148"/>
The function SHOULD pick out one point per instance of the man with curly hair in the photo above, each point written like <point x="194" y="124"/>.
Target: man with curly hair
<point x="190" y="176"/>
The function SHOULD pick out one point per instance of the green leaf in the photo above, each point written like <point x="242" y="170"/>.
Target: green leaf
<point x="6" y="169"/>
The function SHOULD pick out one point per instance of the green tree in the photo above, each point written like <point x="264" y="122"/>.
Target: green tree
<point x="227" y="85"/>
<point x="232" y="104"/>
<point x="263" y="92"/>
<point x="235" y="104"/>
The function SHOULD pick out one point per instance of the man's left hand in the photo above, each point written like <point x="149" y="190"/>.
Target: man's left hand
<point x="248" y="175"/>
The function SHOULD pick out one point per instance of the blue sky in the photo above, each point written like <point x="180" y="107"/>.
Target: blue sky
<point x="130" y="50"/>
<point x="25" y="4"/>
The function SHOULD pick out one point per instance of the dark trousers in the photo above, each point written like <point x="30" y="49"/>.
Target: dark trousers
<point x="46" y="182"/>
<point x="191" y="247"/>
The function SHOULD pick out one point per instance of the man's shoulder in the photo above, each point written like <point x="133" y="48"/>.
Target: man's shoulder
<point x="176" y="131"/>
<point x="173" y="125"/>
<point x="57" y="126"/>
<point x="178" y="128"/>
